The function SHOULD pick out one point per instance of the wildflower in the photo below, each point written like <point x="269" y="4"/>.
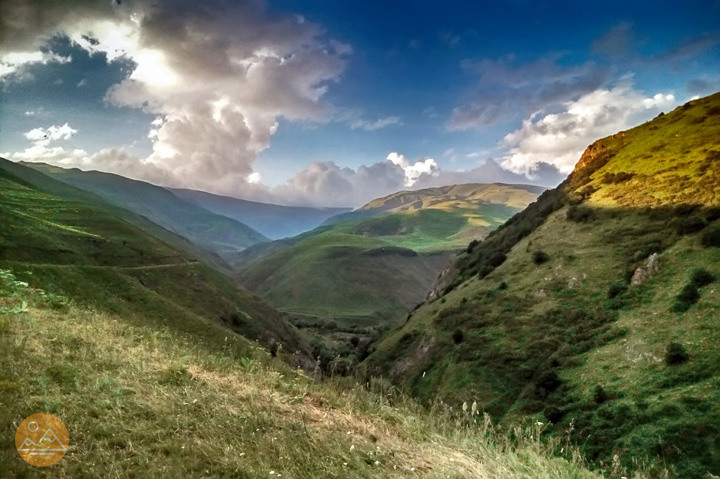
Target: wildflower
<point x="352" y="447"/>
<point x="465" y="406"/>
<point x="272" y="473"/>
<point x="474" y="408"/>
<point x="539" y="423"/>
<point x="377" y="463"/>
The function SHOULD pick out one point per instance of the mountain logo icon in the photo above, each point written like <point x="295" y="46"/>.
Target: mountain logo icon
<point x="42" y="439"/>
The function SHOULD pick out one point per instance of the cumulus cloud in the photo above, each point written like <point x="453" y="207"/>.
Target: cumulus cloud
<point x="327" y="184"/>
<point x="219" y="75"/>
<point x="505" y="89"/>
<point x="559" y="139"/>
<point x="46" y="135"/>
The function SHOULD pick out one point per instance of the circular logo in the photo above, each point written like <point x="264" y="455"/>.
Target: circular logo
<point x="42" y="439"/>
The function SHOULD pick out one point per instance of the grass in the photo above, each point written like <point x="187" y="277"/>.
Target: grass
<point x="87" y="252"/>
<point x="145" y="400"/>
<point x="583" y="317"/>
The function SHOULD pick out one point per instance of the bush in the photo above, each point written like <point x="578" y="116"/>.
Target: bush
<point x="701" y="277"/>
<point x="540" y="257"/>
<point x="580" y="214"/>
<point x="711" y="237"/>
<point x="676" y="354"/>
<point x="503" y="286"/>
<point x="689" y="225"/>
<point x="616" y="290"/>
<point x="599" y="394"/>
<point x="458" y="336"/>
<point x="686" y="298"/>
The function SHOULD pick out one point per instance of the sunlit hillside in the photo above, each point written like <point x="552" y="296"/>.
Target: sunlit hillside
<point x="596" y="308"/>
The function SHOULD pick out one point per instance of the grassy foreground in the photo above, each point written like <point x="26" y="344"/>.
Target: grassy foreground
<point x="146" y="401"/>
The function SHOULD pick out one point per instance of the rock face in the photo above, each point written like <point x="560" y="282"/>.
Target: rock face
<point x="645" y="272"/>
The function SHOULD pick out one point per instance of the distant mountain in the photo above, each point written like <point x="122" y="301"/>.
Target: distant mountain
<point x="214" y="232"/>
<point x="273" y="221"/>
<point x="372" y="270"/>
<point x="74" y="243"/>
<point x="596" y="308"/>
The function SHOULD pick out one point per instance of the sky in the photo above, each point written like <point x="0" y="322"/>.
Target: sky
<point x="327" y="103"/>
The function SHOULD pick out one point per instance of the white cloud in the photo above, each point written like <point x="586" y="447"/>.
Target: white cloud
<point x="219" y="74"/>
<point x="413" y="171"/>
<point x="52" y="133"/>
<point x="559" y="139"/>
<point x="13" y="64"/>
<point x="375" y="125"/>
<point x="505" y="89"/>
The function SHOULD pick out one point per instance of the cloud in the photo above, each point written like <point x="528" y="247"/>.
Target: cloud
<point x="616" y="43"/>
<point x="375" y="125"/>
<point x="220" y="75"/>
<point x="413" y="171"/>
<point x="505" y="90"/>
<point x="559" y="139"/>
<point x="703" y="86"/>
<point x="327" y="184"/>
<point x="13" y="65"/>
<point x="44" y="136"/>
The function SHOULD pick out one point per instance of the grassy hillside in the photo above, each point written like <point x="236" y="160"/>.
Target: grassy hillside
<point x="214" y="232"/>
<point x="273" y="221"/>
<point x="376" y="268"/>
<point x="142" y="399"/>
<point x="596" y="308"/>
<point x="90" y="256"/>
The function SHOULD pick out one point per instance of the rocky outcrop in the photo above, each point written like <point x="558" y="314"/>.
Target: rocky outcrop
<point x="646" y="271"/>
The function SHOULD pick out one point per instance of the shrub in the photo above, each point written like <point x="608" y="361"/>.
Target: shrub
<point x="540" y="257"/>
<point x="711" y="237"/>
<point x="471" y="246"/>
<point x="599" y="394"/>
<point x="502" y="286"/>
<point x="580" y="214"/>
<point x="676" y="354"/>
<point x="701" y="277"/>
<point x="458" y="336"/>
<point x="686" y="298"/>
<point x="616" y="289"/>
<point x="689" y="225"/>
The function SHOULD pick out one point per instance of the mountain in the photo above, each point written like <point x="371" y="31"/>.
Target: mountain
<point x="87" y="251"/>
<point x="363" y="273"/>
<point x="213" y="232"/>
<point x="273" y="221"/>
<point x="594" y="309"/>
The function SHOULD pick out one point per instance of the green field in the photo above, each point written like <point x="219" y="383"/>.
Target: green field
<point x="545" y="318"/>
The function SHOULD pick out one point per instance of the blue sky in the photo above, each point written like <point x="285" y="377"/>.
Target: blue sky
<point x="334" y="103"/>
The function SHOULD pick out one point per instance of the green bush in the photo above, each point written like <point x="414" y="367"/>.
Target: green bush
<point x="676" y="354"/>
<point x="580" y="214"/>
<point x="702" y="277"/>
<point x="540" y="257"/>
<point x="616" y="289"/>
<point x="711" y="237"/>
<point x="688" y="296"/>
<point x="458" y="336"/>
<point x="690" y="225"/>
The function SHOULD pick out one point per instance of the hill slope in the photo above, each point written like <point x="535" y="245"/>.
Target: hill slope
<point x="216" y="233"/>
<point x="141" y="399"/>
<point x="595" y="308"/>
<point x="273" y="221"/>
<point x="87" y="253"/>
<point x="366" y="271"/>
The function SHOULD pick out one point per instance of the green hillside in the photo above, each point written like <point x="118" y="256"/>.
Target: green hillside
<point x="595" y="308"/>
<point x="363" y="270"/>
<point x="90" y="256"/>
<point x="144" y="399"/>
<point x="216" y="233"/>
